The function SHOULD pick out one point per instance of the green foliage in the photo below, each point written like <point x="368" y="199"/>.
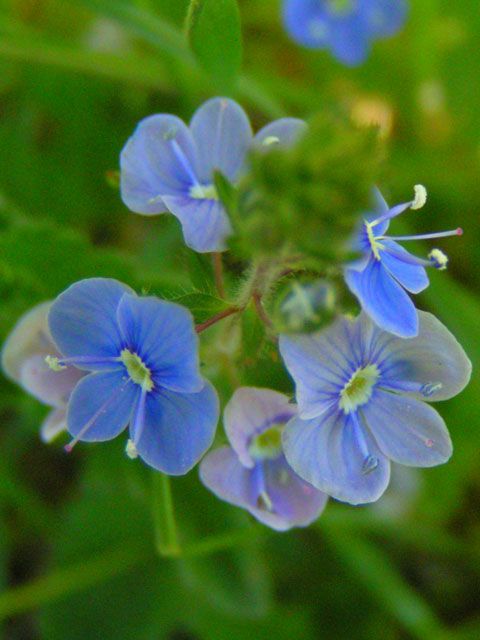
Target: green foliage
<point x="214" y="33"/>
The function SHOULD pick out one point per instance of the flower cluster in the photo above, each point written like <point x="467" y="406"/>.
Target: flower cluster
<point x="107" y="359"/>
<point x="345" y="27"/>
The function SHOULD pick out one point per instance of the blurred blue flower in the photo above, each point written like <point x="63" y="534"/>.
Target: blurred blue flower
<point x="379" y="279"/>
<point x="142" y="357"/>
<point x="362" y="395"/>
<point x="345" y="27"/>
<point x="23" y="361"/>
<point x="167" y="166"/>
<point x="252" y="473"/>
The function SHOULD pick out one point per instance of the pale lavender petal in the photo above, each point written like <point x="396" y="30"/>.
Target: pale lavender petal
<point x="53" y="425"/>
<point x="250" y="411"/>
<point x="163" y="335"/>
<point x="223" y="135"/>
<point x="205" y="224"/>
<point x="284" y="132"/>
<point x="320" y="364"/>
<point x="51" y="387"/>
<point x="326" y="453"/>
<point x="83" y="320"/>
<point x="100" y="406"/>
<point x="433" y="358"/>
<point x="407" y="431"/>
<point x="159" y="159"/>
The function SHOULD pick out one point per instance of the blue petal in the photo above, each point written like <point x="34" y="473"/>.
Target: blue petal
<point x="384" y="17"/>
<point x="407" y="431"/>
<point x="383" y="299"/>
<point x="204" y="223"/>
<point x="159" y="159"/>
<point x="178" y="429"/>
<point x="223" y="135"/>
<point x="100" y="406"/>
<point x="54" y="424"/>
<point x="307" y="22"/>
<point x="83" y="320"/>
<point x="320" y="364"/>
<point x="411" y="276"/>
<point x="349" y="41"/>
<point x="325" y="452"/>
<point x="250" y="411"/>
<point x="433" y="357"/>
<point x="286" y="130"/>
<point x="163" y="335"/>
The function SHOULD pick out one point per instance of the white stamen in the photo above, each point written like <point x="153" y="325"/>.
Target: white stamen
<point x="439" y="259"/>
<point x="131" y="450"/>
<point x="269" y="140"/>
<point x="54" y="363"/>
<point x="420" y="197"/>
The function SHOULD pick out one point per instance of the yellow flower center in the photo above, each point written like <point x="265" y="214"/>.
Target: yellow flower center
<point x="137" y="370"/>
<point x="268" y="444"/>
<point x="358" y="389"/>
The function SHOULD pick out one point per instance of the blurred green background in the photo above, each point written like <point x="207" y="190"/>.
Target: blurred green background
<point x="78" y="558"/>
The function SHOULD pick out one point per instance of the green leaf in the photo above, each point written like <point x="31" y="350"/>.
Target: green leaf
<point x="214" y="33"/>
<point x="202" y="305"/>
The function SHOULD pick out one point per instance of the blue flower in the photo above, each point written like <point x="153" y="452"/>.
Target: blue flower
<point x="386" y="270"/>
<point x="345" y="27"/>
<point x="23" y="361"/>
<point x="142" y="357"/>
<point x="362" y="395"/>
<point x="252" y="473"/>
<point x="167" y="166"/>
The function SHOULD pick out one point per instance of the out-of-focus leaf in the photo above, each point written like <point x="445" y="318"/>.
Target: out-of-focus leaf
<point x="202" y="305"/>
<point x="215" y="36"/>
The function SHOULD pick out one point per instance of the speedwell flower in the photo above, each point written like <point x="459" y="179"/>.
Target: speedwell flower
<point x="142" y="357"/>
<point x="345" y="27"/>
<point x="168" y="166"/>
<point x="362" y="395"/>
<point x="23" y="360"/>
<point x="386" y="270"/>
<point x="252" y="473"/>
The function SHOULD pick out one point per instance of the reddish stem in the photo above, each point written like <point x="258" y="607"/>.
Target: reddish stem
<point x="218" y="273"/>
<point x="262" y="314"/>
<point x="214" y="319"/>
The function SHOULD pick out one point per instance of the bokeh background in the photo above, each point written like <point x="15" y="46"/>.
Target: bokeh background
<point x="78" y="559"/>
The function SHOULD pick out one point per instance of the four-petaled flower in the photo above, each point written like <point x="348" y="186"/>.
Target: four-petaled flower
<point x="142" y="357"/>
<point x="386" y="269"/>
<point x="361" y="395"/>
<point x="252" y="473"/>
<point x="345" y="27"/>
<point x="167" y="166"/>
<point x="23" y="360"/>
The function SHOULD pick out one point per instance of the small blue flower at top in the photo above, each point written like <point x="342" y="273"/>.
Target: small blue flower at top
<point x="252" y="472"/>
<point x="362" y="398"/>
<point x="345" y="27"/>
<point x="23" y="361"/>
<point x="168" y="166"/>
<point x="141" y="355"/>
<point x="386" y="271"/>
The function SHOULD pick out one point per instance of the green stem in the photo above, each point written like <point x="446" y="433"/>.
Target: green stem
<point x="166" y="535"/>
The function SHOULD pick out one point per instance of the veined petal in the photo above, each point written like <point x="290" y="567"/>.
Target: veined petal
<point x="159" y="159"/>
<point x="326" y="453"/>
<point x="434" y="357"/>
<point x="383" y="299"/>
<point x="51" y="387"/>
<point x="54" y="424"/>
<point x="411" y="276"/>
<point x="320" y="364"/>
<point x="177" y="429"/>
<point x="407" y="431"/>
<point x="163" y="335"/>
<point x="384" y="18"/>
<point x="83" y="320"/>
<point x="100" y="406"/>
<point x="250" y="411"/>
<point x="204" y="222"/>
<point x="222" y="133"/>
<point x="284" y="132"/>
